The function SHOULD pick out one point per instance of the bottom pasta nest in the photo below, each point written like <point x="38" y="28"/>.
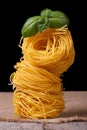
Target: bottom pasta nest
<point x="37" y="105"/>
<point x="37" y="83"/>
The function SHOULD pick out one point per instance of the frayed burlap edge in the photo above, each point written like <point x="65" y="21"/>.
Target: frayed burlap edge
<point x="55" y="120"/>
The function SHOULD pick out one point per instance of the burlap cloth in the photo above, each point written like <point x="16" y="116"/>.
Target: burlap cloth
<point x="75" y="102"/>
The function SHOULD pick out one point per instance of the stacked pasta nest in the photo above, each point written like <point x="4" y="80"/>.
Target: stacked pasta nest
<point x="37" y="82"/>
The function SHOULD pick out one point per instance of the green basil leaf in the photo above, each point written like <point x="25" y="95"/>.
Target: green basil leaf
<point x="58" y="19"/>
<point x="57" y="22"/>
<point x="46" y="13"/>
<point x="47" y="18"/>
<point x="30" y="27"/>
<point x="43" y="24"/>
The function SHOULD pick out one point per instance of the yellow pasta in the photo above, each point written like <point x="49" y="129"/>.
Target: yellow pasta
<point x="37" y="82"/>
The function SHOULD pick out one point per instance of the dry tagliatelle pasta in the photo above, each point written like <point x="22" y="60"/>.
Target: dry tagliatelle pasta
<point x="38" y="86"/>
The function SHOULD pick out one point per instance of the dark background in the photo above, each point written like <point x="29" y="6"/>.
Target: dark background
<point x="13" y="16"/>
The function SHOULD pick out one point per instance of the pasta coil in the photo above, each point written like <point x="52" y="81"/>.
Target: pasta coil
<point x="37" y="80"/>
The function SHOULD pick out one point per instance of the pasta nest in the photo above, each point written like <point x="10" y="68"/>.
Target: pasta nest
<point x="37" y="80"/>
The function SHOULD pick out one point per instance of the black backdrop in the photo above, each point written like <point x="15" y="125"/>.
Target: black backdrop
<point x="13" y="16"/>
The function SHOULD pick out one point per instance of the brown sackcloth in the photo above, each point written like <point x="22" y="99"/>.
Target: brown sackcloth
<point x="75" y="110"/>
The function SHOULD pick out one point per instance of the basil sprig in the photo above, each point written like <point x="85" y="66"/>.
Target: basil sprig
<point x="47" y="18"/>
